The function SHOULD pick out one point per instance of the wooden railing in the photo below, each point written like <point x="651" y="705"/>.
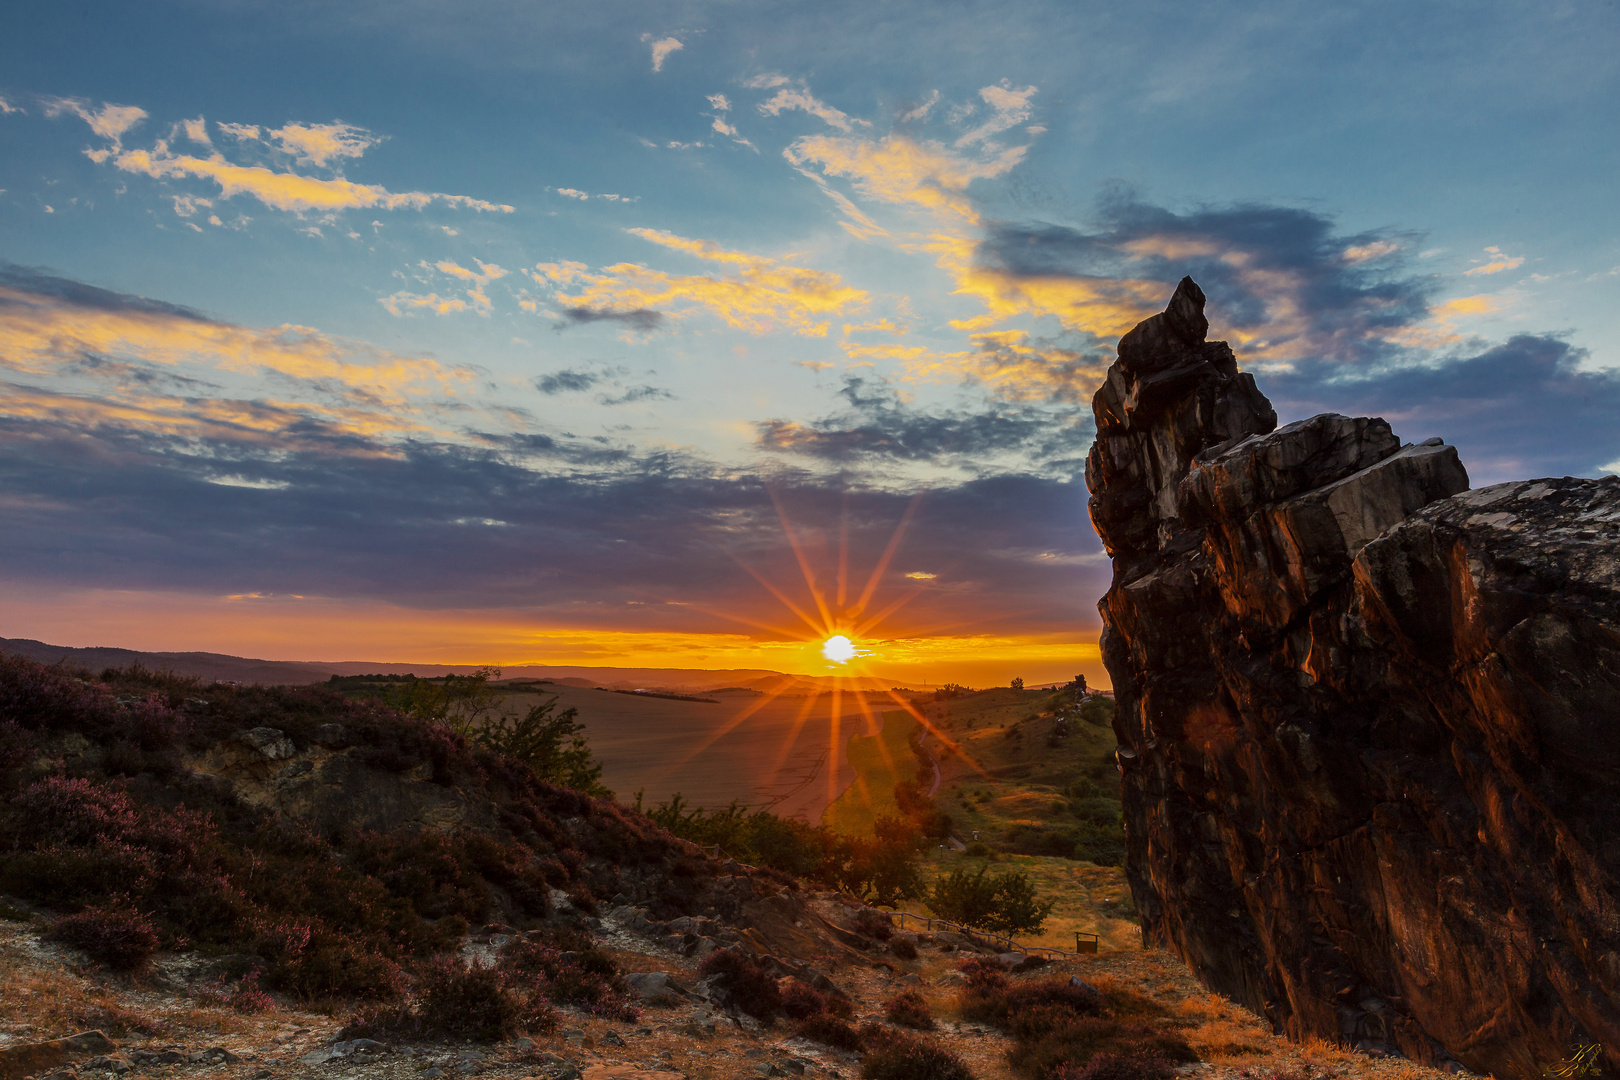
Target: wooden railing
<point x="1012" y="945"/>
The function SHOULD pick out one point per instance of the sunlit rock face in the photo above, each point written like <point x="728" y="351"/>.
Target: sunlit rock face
<point x="1369" y="720"/>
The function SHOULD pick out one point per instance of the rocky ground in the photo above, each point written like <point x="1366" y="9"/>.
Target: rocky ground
<point x="171" y="1021"/>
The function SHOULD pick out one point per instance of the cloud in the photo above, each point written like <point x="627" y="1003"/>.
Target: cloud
<point x="196" y="130"/>
<point x="566" y="381"/>
<point x="575" y="193"/>
<point x="1520" y="409"/>
<point x="877" y="426"/>
<point x="1497" y="263"/>
<point x="789" y="98"/>
<point x="84" y="340"/>
<point x="661" y="49"/>
<point x="760" y="295"/>
<point x="1283" y="284"/>
<point x="109" y="121"/>
<point x="7" y="108"/>
<point x="635" y="394"/>
<point x="920" y="110"/>
<point x="282" y="474"/>
<point x="1009" y="109"/>
<point x="641" y="320"/>
<point x="405" y="302"/>
<point x="317" y="144"/>
<point x="320" y="144"/>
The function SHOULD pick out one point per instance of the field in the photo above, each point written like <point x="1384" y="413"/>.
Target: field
<point x="712" y="753"/>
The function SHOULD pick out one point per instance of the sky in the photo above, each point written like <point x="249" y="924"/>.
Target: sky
<point x="686" y="334"/>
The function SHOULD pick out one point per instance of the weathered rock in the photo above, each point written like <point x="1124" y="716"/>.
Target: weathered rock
<point x="27" y="1059"/>
<point x="273" y="744"/>
<point x="1369" y="721"/>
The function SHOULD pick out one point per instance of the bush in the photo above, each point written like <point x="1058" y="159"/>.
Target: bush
<point x="829" y="1031"/>
<point x="990" y="997"/>
<point x="1117" y="1067"/>
<point x="874" y="924"/>
<point x="116" y="935"/>
<point x="1005" y="903"/>
<point x="749" y="986"/>
<point x="895" y="1055"/>
<point x="903" y="949"/>
<point x="909" y="1009"/>
<point x="800" y="1000"/>
<point x="570" y="969"/>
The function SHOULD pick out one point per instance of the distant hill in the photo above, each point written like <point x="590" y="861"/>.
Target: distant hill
<point x="219" y="667"/>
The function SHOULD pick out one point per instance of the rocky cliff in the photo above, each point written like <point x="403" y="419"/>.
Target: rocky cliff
<point x="1369" y="720"/>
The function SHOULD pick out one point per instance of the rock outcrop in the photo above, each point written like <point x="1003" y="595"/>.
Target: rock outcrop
<point x="1369" y="720"/>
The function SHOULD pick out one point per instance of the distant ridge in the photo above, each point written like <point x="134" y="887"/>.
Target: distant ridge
<point x="220" y="667"/>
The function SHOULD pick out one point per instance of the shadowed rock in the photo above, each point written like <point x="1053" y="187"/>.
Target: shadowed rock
<point x="1369" y="720"/>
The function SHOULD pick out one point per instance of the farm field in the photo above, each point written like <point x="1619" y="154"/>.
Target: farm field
<point x="778" y="755"/>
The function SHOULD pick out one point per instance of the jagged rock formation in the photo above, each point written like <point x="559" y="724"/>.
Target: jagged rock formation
<point x="1369" y="720"/>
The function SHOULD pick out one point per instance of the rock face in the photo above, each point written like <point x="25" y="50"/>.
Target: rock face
<point x="1369" y="720"/>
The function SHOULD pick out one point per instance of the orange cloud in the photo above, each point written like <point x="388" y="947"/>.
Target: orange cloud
<point x="286" y="190"/>
<point x="41" y="335"/>
<point x="401" y="303"/>
<point x="1497" y="263"/>
<point x="761" y="295"/>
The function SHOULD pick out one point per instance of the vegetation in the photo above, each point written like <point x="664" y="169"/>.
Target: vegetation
<point x="896" y="1055"/>
<point x="909" y="1009"/>
<point x="1003" y="903"/>
<point x="94" y="829"/>
<point x="882" y="869"/>
<point x="1066" y="1028"/>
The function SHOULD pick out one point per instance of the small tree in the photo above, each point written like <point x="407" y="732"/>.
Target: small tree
<point x="551" y="743"/>
<point x="461" y="703"/>
<point x="1018" y="684"/>
<point x="1004" y="903"/>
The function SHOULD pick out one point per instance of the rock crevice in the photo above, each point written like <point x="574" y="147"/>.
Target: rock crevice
<point x="1369" y="720"/>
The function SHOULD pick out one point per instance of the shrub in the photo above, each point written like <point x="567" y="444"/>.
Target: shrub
<point x="829" y="1031"/>
<point x="895" y="1055"/>
<point x="1116" y="1067"/>
<point x="248" y="998"/>
<point x="750" y="987"/>
<point x="903" y="949"/>
<point x="570" y="969"/>
<point x="116" y="935"/>
<point x="800" y="1000"/>
<point x="874" y="924"/>
<point x="909" y="1009"/>
<point x="470" y="1001"/>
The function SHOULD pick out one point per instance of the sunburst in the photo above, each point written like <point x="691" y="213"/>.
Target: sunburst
<point x="844" y="631"/>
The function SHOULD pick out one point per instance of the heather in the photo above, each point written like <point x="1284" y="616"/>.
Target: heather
<point x="115" y="818"/>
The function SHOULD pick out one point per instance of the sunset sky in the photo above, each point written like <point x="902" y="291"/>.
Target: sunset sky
<point x="513" y="332"/>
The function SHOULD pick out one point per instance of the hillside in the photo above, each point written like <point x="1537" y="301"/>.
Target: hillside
<point x="219" y="667"/>
<point x="249" y="882"/>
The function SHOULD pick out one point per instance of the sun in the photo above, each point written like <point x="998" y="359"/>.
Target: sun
<point x="839" y="649"/>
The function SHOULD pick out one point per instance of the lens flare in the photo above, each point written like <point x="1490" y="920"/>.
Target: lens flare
<point x="839" y="649"/>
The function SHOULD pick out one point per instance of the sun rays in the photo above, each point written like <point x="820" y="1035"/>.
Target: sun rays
<point x="842" y="631"/>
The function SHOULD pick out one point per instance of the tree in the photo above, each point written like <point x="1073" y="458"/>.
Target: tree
<point x="549" y="742"/>
<point x="1005" y="903"/>
<point x="1018" y="684"/>
<point x="460" y="703"/>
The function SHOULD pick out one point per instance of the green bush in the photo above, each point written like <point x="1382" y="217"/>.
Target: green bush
<point x="1003" y="903"/>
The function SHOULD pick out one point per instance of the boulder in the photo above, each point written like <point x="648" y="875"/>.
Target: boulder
<point x="1367" y="718"/>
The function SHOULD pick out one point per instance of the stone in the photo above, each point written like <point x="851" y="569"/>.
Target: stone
<point x="658" y="987"/>
<point x="270" y="742"/>
<point x="331" y="736"/>
<point x="1366" y="716"/>
<point x="611" y="1038"/>
<point x="910" y="978"/>
<point x="628" y="1072"/>
<point x="28" y="1059"/>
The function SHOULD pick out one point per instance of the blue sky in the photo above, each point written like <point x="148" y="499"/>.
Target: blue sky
<point x="513" y="332"/>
